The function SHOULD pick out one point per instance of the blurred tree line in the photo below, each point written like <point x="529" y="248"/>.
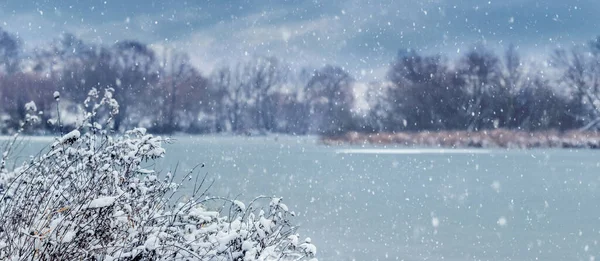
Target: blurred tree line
<point x="163" y="92"/>
<point x="482" y="90"/>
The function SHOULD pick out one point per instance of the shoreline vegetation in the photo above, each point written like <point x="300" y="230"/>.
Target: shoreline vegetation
<point x="498" y="138"/>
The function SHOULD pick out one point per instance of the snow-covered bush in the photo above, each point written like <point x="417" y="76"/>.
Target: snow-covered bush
<point x="88" y="197"/>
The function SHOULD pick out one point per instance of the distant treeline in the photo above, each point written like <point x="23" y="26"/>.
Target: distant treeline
<point x="163" y="92"/>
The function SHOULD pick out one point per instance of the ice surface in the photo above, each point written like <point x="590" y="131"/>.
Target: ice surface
<point x="412" y="151"/>
<point x="385" y="206"/>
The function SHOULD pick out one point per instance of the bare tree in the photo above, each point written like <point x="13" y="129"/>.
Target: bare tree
<point x="331" y="100"/>
<point x="180" y="93"/>
<point x="539" y="107"/>
<point x="377" y="117"/>
<point x="137" y="70"/>
<point x="294" y="104"/>
<point x="17" y="89"/>
<point x="425" y="94"/>
<point x="265" y="74"/>
<point x="9" y="52"/>
<point x="480" y="70"/>
<point x="512" y="81"/>
<point x="230" y="87"/>
<point x="64" y="51"/>
<point x="130" y="68"/>
<point x="581" y="76"/>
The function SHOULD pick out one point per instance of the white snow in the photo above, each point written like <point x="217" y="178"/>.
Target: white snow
<point x="151" y="243"/>
<point x="496" y="186"/>
<point x="435" y="222"/>
<point x="412" y="151"/>
<point x="73" y="135"/>
<point x="501" y="221"/>
<point x="145" y="171"/>
<point x="68" y="237"/>
<point x="240" y="205"/>
<point x="102" y="202"/>
<point x="30" y="106"/>
<point x="308" y="247"/>
<point x="293" y="240"/>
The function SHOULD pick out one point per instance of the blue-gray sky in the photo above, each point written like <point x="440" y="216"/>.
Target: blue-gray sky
<point x="362" y="36"/>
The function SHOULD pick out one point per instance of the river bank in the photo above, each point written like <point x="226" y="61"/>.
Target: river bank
<point x="499" y="138"/>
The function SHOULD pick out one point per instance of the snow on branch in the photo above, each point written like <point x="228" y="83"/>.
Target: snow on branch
<point x="87" y="197"/>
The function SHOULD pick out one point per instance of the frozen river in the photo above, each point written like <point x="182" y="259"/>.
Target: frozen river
<point x="379" y="203"/>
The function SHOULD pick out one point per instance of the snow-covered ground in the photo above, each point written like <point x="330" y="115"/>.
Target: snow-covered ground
<point x="498" y="205"/>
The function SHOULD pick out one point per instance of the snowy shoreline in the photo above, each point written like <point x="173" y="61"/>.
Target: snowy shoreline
<point x="498" y="138"/>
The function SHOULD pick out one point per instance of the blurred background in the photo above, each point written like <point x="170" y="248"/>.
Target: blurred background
<point x="304" y="67"/>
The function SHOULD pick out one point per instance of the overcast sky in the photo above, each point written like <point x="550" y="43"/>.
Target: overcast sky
<point x="361" y="36"/>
